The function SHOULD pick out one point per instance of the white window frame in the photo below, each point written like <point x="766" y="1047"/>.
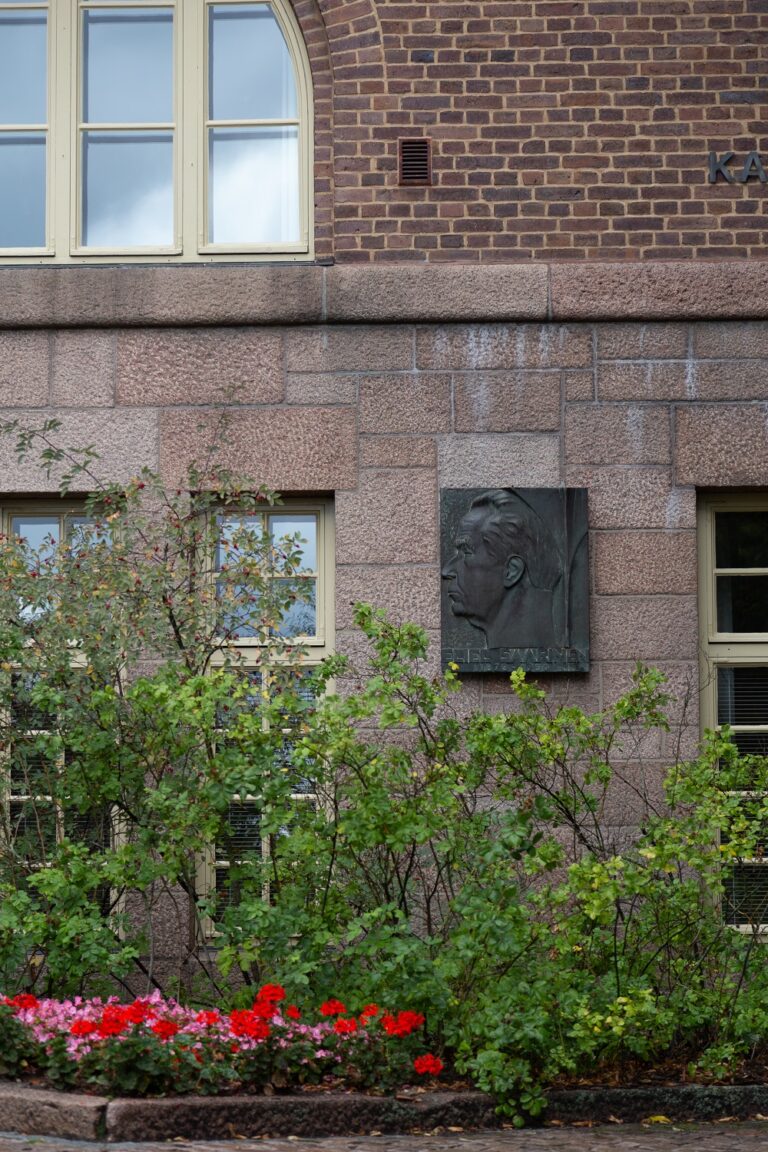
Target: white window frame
<point x="63" y="168"/>
<point x="726" y="649"/>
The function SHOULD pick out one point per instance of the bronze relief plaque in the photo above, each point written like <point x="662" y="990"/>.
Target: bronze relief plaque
<point x="515" y="579"/>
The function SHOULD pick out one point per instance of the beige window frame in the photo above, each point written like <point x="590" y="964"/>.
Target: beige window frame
<point x="64" y="129"/>
<point x="250" y="653"/>
<point x="721" y="651"/>
<point x="10" y="796"/>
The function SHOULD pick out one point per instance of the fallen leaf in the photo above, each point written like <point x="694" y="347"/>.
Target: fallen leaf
<point x="657" y="1120"/>
<point x="727" y="1120"/>
<point x="614" y="1120"/>
<point x="455" y="1128"/>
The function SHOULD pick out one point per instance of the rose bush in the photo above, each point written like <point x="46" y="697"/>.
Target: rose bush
<point x="156" y="1046"/>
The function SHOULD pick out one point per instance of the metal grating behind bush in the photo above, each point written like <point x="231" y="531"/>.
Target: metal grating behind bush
<point x="745" y="900"/>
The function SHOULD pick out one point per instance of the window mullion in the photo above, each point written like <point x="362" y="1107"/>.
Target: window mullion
<point x="262" y="179"/>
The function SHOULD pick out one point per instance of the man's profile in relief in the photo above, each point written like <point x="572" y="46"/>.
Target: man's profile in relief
<point x="504" y="575"/>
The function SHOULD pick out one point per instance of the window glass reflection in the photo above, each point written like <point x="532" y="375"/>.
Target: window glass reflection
<point x="250" y="70"/>
<point x="299" y="618"/>
<point x="127" y="190"/>
<point x="22" y="190"/>
<point x="234" y="540"/>
<point x="304" y="527"/>
<point x="23" y="87"/>
<point x="128" y="66"/>
<point x="40" y="533"/>
<point x="254" y="186"/>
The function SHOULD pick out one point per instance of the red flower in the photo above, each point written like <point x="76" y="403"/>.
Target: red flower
<point x="208" y="1018"/>
<point x="428" y="1065"/>
<point x="402" y="1024"/>
<point x="344" y="1027"/>
<point x="137" y="1012"/>
<point x="332" y="1008"/>
<point x="369" y="1011"/>
<point x="23" y="1000"/>
<point x="292" y="1012"/>
<point x="113" y="1021"/>
<point x="165" y="1029"/>
<point x="265" y="1009"/>
<point x="245" y="1023"/>
<point x="273" y="992"/>
<point x="82" y="1028"/>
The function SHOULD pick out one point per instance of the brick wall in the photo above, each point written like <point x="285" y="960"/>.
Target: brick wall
<point x="568" y="129"/>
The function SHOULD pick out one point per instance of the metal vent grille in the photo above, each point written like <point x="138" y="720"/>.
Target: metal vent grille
<point x="415" y="161"/>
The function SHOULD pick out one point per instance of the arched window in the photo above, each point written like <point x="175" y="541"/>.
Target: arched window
<point x="179" y="130"/>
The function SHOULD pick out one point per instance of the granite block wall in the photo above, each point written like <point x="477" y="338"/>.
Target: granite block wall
<point x="383" y="415"/>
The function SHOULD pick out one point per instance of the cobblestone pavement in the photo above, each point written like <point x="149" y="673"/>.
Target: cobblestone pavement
<point x="720" y="1137"/>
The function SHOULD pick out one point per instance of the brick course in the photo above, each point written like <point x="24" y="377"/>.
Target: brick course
<point x="575" y="130"/>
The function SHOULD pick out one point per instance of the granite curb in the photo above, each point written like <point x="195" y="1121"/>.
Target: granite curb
<point x="43" y="1112"/>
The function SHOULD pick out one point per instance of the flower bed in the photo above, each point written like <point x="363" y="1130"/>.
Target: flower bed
<point x="156" y="1046"/>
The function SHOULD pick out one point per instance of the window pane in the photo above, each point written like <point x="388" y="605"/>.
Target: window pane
<point x="41" y="533"/>
<point x="742" y="603"/>
<point x="242" y="833"/>
<point x="31" y="772"/>
<point x="745" y="900"/>
<point x="742" y="539"/>
<point x="79" y="533"/>
<point x="251" y="74"/>
<point x="23" y="88"/>
<point x="233" y="542"/>
<point x="26" y="715"/>
<point x="33" y="829"/>
<point x="127" y="190"/>
<point x="254" y="186"/>
<point x="742" y="695"/>
<point x="751" y="743"/>
<point x="300" y="619"/>
<point x="239" y="610"/>
<point x="92" y="828"/>
<point x="303" y="526"/>
<point x="22" y="190"/>
<point x="128" y="66"/>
